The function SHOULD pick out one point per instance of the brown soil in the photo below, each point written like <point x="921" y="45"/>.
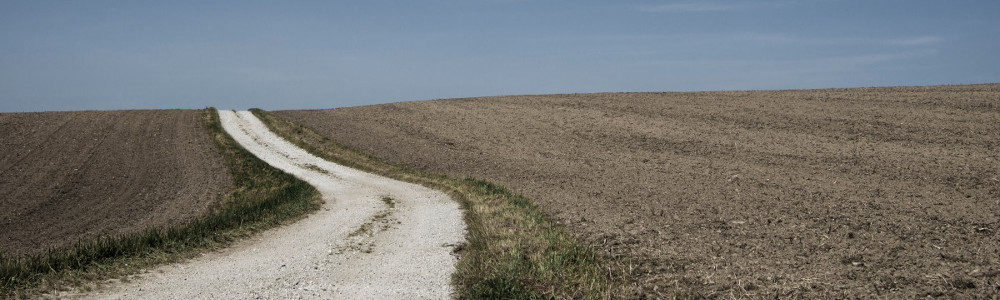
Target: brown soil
<point x="65" y="176"/>
<point x="886" y="192"/>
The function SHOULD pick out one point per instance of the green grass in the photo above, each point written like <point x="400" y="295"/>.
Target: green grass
<point x="263" y="197"/>
<point x="513" y="250"/>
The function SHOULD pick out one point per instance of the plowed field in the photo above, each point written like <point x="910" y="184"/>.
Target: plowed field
<point x="71" y="175"/>
<point x="890" y="192"/>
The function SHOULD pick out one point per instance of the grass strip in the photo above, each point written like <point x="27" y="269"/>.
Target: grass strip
<point x="263" y="197"/>
<point x="513" y="250"/>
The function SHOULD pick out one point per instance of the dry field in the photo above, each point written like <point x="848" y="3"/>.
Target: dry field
<point x="66" y="176"/>
<point x="890" y="192"/>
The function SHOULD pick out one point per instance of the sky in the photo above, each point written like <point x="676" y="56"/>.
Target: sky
<point x="109" y="55"/>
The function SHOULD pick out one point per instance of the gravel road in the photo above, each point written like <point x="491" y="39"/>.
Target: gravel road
<point x="374" y="238"/>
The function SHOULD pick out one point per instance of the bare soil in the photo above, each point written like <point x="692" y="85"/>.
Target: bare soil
<point x="872" y="192"/>
<point x="66" y="176"/>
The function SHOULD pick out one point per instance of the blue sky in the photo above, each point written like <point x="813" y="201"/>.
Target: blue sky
<point x="83" y="55"/>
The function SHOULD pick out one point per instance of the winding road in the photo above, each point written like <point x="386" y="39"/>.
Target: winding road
<point x="374" y="238"/>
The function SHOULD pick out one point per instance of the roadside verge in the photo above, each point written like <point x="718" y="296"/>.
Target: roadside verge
<point x="513" y="250"/>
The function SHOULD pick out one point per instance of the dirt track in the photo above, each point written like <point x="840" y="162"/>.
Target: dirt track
<point x="71" y="175"/>
<point x="890" y="192"/>
<point x="374" y="238"/>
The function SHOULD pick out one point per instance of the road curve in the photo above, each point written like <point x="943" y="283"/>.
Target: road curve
<point x="373" y="238"/>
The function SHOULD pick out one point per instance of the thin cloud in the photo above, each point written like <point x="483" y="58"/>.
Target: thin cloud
<point x="917" y="41"/>
<point x="718" y="7"/>
<point x="771" y="38"/>
<point x="833" y="41"/>
<point x="690" y="7"/>
<point x="830" y="63"/>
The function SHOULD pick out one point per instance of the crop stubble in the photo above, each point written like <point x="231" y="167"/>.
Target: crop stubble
<point x="67" y="176"/>
<point x="837" y="192"/>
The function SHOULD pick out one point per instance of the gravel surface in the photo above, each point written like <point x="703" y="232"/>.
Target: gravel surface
<point x="374" y="238"/>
